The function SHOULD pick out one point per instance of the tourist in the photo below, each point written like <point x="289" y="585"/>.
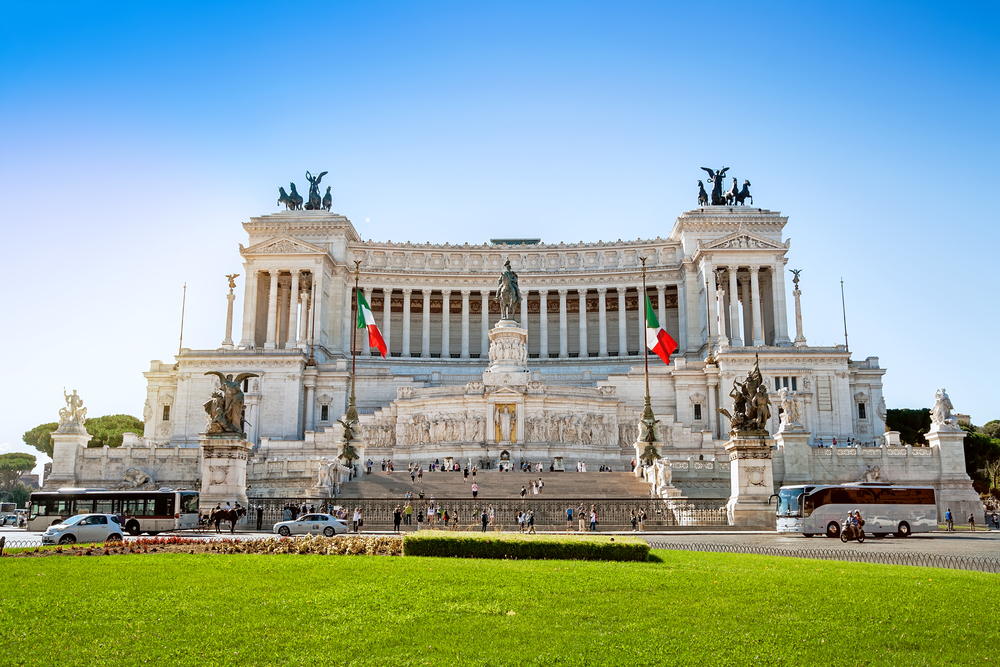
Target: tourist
<point x="642" y="519"/>
<point x="454" y="519"/>
<point x="421" y="494"/>
<point x="834" y="442"/>
<point x="569" y="518"/>
<point x="420" y="520"/>
<point x="446" y="518"/>
<point x="534" y="488"/>
<point x="633" y="465"/>
<point x="474" y="469"/>
<point x="972" y="521"/>
<point x="819" y="443"/>
<point x="413" y="475"/>
<point x="949" y="520"/>
<point x="475" y="489"/>
<point x="492" y="512"/>
<point x="540" y="484"/>
<point x="354" y="520"/>
<point x="580" y="516"/>
<point x="369" y="465"/>
<point x="397" y="518"/>
<point x="408" y="514"/>
<point x="531" y="522"/>
<point x="520" y="521"/>
<point x="523" y="492"/>
<point x="593" y="519"/>
<point x="485" y="519"/>
<point x="420" y="473"/>
<point x="465" y="475"/>
<point x="996" y="520"/>
<point x="633" y="519"/>
<point x="260" y="516"/>
<point x="383" y="464"/>
<point x="361" y="520"/>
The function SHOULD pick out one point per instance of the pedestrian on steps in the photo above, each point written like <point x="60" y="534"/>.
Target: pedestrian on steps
<point x="475" y="489"/>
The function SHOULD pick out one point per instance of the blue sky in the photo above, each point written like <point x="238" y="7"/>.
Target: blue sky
<point x="137" y="136"/>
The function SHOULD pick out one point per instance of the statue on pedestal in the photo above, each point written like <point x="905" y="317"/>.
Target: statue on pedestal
<point x="225" y="408"/>
<point x="74" y="415"/>
<point x="716" y="178"/>
<point x="508" y="292"/>
<point x="941" y="416"/>
<point x="751" y="404"/>
<point x="791" y="409"/>
<point x="315" y="202"/>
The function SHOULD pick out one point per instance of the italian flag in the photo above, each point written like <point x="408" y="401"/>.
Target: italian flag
<point x="367" y="321"/>
<point x="658" y="340"/>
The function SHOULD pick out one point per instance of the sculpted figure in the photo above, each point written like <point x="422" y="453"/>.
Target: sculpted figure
<point x="941" y="415"/>
<point x="225" y="408"/>
<point x="315" y="201"/>
<point x="718" y="198"/>
<point x="508" y="292"/>
<point x="328" y="200"/>
<point x="702" y="195"/>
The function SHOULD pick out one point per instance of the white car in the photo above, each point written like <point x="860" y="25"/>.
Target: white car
<point x="84" y="528"/>
<point x="312" y="524"/>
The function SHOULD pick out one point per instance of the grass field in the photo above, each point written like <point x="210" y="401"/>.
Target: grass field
<point x="689" y="608"/>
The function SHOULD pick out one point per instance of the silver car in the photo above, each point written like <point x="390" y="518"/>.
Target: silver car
<point x="84" y="528"/>
<point x="312" y="524"/>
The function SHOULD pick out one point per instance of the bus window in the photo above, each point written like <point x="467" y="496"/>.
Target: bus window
<point x="189" y="503"/>
<point x="789" y="500"/>
<point x="104" y="506"/>
<point x="83" y="506"/>
<point x="161" y="505"/>
<point x="132" y="506"/>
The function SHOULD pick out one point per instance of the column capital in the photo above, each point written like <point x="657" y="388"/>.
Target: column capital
<point x="733" y="269"/>
<point x="583" y="292"/>
<point x="466" y="293"/>
<point x="368" y="290"/>
<point x="445" y="292"/>
<point x="543" y="292"/>
<point x="407" y="291"/>
<point x="274" y="273"/>
<point x="602" y="290"/>
<point x="563" y="291"/>
<point x="426" y="291"/>
<point x="662" y="289"/>
<point x="743" y="280"/>
<point x="754" y="268"/>
<point x="621" y="290"/>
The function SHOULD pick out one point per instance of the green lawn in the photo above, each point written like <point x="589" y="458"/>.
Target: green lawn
<point x="690" y="608"/>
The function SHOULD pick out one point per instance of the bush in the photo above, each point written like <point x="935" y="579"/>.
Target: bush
<point x="525" y="547"/>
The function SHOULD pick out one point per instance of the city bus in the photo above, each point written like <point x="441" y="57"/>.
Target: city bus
<point x="821" y="509"/>
<point x="149" y="512"/>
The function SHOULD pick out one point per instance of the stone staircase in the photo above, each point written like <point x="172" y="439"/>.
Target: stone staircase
<point x="497" y="485"/>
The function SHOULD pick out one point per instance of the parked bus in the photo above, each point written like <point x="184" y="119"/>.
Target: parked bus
<point x="821" y="509"/>
<point x="149" y="512"/>
<point x="7" y="508"/>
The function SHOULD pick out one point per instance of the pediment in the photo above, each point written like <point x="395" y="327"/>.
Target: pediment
<point x="504" y="390"/>
<point x="282" y="245"/>
<point x="742" y="239"/>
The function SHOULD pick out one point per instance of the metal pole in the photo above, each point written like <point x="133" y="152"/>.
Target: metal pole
<point x="352" y="411"/>
<point x="843" y="305"/>
<point x="645" y="325"/>
<point x="180" y="345"/>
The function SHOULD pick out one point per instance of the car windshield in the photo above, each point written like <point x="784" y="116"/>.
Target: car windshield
<point x="73" y="520"/>
<point x="789" y="504"/>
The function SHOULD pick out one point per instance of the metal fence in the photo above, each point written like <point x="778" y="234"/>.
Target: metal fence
<point x="548" y="512"/>
<point x="973" y="563"/>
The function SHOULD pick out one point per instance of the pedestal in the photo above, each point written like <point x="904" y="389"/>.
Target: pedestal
<point x="223" y="469"/>
<point x="508" y="355"/>
<point x="955" y="490"/>
<point x="793" y="443"/>
<point x="751" y="480"/>
<point x="66" y="447"/>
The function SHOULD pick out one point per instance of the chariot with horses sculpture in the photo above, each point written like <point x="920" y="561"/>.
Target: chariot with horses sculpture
<point x="733" y="196"/>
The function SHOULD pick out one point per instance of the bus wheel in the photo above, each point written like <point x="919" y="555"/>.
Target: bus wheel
<point x="904" y="530"/>
<point x="133" y="528"/>
<point x="833" y="529"/>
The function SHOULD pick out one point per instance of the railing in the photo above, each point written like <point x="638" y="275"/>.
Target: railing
<point x="972" y="563"/>
<point x="548" y="512"/>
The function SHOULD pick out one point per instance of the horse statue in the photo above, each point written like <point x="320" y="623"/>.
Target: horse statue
<point x="508" y="292"/>
<point x="718" y="199"/>
<point x="744" y="194"/>
<point x="732" y="193"/>
<point x="295" y="198"/>
<point x="231" y="516"/>
<point x="315" y="201"/>
<point x="702" y="195"/>
<point x="283" y="198"/>
<point x="328" y="200"/>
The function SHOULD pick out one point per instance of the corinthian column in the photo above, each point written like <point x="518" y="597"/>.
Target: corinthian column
<point x="367" y="348"/>
<point x="734" y="308"/>
<point x="425" y="338"/>
<point x="387" y="318"/>
<point x="563" y="326"/>
<point x="721" y="310"/>
<point x="543" y="324"/>
<point x="484" y="340"/>
<point x="304" y="323"/>
<point x="747" y="317"/>
<point x="272" y="311"/>
<point x="249" y="308"/>
<point x="622" y="326"/>
<point x="758" y="329"/>
<point x="407" y="291"/>
<point x="293" y="313"/>
<point x="602" y="321"/>
<point x="446" y="324"/>
<point x="583" y="323"/>
<point x="465" y="323"/>
<point x="800" y="338"/>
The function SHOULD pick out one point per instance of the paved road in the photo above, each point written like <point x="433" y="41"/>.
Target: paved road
<point x="980" y="543"/>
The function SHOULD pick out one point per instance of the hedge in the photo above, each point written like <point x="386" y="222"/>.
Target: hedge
<point x="525" y="547"/>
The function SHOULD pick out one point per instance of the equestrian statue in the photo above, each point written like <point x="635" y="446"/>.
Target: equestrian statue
<point x="508" y="292"/>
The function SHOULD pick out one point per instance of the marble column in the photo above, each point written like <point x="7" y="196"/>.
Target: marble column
<point x="661" y="305"/>
<point x="583" y="324"/>
<point x="272" y="311"/>
<point x="387" y="319"/>
<point x="366" y="348"/>
<point x="734" y="308"/>
<point x="227" y="342"/>
<point x="425" y="337"/>
<point x="407" y="291"/>
<point x="758" y="328"/>
<point x="349" y="315"/>
<point x="563" y="326"/>
<point x="800" y="338"/>
<point x="293" y="313"/>
<point x="747" y="319"/>
<point x="682" y="315"/>
<point x="710" y="286"/>
<point x="622" y="326"/>
<point x="713" y="415"/>
<point x="484" y="340"/>
<point x="543" y="324"/>
<point x="780" y="306"/>
<point x="282" y="330"/>
<point x="310" y="424"/>
<point x="720" y="310"/>
<point x="249" y="309"/>
<point x="446" y="324"/>
<point x="602" y="321"/>
<point x="524" y="309"/>
<point x="304" y="320"/>
<point x="465" y="323"/>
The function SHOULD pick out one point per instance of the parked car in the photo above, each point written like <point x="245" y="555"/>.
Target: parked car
<point x="8" y="520"/>
<point x="312" y="524"/>
<point x="84" y="528"/>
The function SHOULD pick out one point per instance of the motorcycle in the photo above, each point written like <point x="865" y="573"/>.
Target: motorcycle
<point x="851" y="532"/>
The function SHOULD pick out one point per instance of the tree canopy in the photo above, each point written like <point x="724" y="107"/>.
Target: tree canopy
<point x="109" y="429"/>
<point x="40" y="437"/>
<point x="12" y="466"/>
<point x="911" y="424"/>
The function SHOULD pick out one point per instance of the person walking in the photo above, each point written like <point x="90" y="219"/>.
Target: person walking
<point x="642" y="519"/>
<point x="475" y="489"/>
<point x="454" y="519"/>
<point x="474" y="469"/>
<point x="580" y="516"/>
<point x="633" y="519"/>
<point x="949" y="519"/>
<point x="397" y="518"/>
<point x="534" y="488"/>
<point x="972" y="521"/>
<point x="520" y="522"/>
<point x="540" y="484"/>
<point x="420" y="520"/>
<point x="260" y="516"/>
<point x="593" y="519"/>
<point x="413" y="476"/>
<point x="522" y="492"/>
<point x="361" y="521"/>
<point x="354" y="520"/>
<point x="465" y="474"/>
<point x="485" y="519"/>
<point x="569" y="518"/>
<point x="420" y="473"/>
<point x="492" y="513"/>
<point x="408" y="514"/>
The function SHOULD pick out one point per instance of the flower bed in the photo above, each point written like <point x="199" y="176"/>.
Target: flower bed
<point x="525" y="547"/>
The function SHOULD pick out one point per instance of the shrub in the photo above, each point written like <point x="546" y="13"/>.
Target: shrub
<point x="525" y="547"/>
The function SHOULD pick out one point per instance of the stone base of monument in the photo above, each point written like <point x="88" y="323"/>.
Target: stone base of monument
<point x="65" y="446"/>
<point x="751" y="480"/>
<point x="793" y="442"/>
<point x="508" y="355"/>
<point x="955" y="490"/>
<point x="223" y="469"/>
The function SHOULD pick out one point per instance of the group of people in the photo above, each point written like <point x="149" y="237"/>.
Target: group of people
<point x="536" y="488"/>
<point x="581" y="516"/>
<point x="991" y="521"/>
<point x="436" y="515"/>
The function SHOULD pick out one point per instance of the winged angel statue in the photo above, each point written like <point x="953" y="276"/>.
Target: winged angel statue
<point x="225" y="408"/>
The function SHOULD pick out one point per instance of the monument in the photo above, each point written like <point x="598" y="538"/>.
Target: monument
<point x="67" y="440"/>
<point x="224" y="446"/>
<point x="749" y="448"/>
<point x="946" y="438"/>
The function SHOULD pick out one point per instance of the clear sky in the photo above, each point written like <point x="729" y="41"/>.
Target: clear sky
<point x="136" y="137"/>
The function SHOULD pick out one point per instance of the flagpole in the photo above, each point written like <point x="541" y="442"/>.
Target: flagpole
<point x="647" y="409"/>
<point x="843" y="306"/>
<point x="352" y="410"/>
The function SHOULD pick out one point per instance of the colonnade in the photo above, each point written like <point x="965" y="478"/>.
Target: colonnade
<point x="755" y="324"/>
<point x="288" y="318"/>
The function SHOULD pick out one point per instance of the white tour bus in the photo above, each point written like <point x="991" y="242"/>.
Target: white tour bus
<point x="821" y="509"/>
<point x="140" y="511"/>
